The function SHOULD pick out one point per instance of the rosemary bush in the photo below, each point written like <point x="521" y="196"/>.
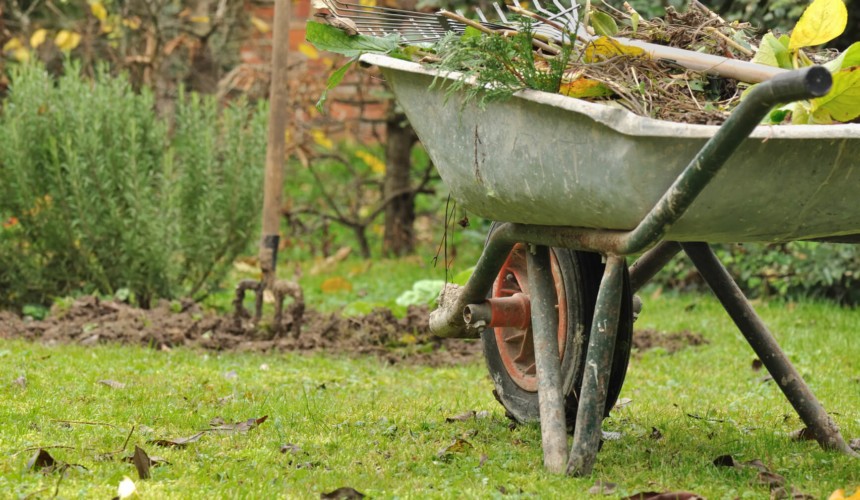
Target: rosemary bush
<point x="98" y="195"/>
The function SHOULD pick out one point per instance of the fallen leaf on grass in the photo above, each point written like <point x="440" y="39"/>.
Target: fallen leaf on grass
<point x="141" y="462"/>
<point x="461" y="418"/>
<point x="729" y="461"/>
<point x="458" y="446"/>
<point x="602" y="488"/>
<point x="804" y="434"/>
<point x="41" y="460"/>
<point x="343" y="493"/>
<point x="126" y="488"/>
<point x="666" y="495"/>
<point x="240" y="426"/>
<point x="621" y="403"/>
<point x="840" y="495"/>
<point x="483" y="460"/>
<point x="113" y="384"/>
<point x="20" y="382"/>
<point x="770" y="479"/>
<point x="291" y="448"/>
<point x="178" y="442"/>
<point x="780" y="493"/>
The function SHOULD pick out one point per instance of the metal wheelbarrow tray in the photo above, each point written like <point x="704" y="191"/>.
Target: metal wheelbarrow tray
<point x="568" y="180"/>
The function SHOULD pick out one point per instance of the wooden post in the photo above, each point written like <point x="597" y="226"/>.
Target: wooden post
<point x="276" y="146"/>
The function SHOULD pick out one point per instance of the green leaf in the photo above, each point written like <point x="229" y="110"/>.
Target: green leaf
<point x="334" y="80"/>
<point x="603" y="24"/>
<point x="849" y="58"/>
<point x="821" y="22"/>
<point x="634" y="21"/>
<point x="772" y="53"/>
<point x="471" y="32"/>
<point x="843" y="100"/>
<point x="331" y="39"/>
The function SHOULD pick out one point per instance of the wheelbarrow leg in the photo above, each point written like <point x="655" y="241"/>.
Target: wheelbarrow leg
<point x="824" y="429"/>
<point x="598" y="366"/>
<point x="544" y="316"/>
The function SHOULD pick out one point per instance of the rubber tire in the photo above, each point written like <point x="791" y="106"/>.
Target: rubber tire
<point x="581" y="273"/>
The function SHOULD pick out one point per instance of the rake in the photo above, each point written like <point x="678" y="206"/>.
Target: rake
<point x="426" y="27"/>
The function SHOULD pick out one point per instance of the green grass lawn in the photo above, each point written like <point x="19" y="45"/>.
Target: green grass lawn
<point x="334" y="421"/>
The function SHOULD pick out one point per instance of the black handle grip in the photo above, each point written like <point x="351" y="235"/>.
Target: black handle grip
<point x="805" y="83"/>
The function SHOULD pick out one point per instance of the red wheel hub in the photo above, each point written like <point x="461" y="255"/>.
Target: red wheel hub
<point x="515" y="343"/>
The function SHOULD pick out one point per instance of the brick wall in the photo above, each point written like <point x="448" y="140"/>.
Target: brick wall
<point x="354" y="109"/>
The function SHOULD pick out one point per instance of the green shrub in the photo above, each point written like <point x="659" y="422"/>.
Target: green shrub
<point x="97" y="195"/>
<point x="800" y="269"/>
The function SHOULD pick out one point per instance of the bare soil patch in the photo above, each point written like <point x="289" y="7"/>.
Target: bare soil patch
<point x="90" y="321"/>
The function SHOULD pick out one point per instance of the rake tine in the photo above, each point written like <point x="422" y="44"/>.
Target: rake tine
<point x="481" y="15"/>
<point x="500" y="13"/>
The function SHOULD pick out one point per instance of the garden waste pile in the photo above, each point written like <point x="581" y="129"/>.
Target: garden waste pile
<point x="602" y="60"/>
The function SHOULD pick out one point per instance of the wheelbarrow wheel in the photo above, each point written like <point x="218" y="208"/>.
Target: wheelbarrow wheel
<point x="509" y="351"/>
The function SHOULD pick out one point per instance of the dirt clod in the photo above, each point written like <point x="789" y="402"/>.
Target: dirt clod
<point x="671" y="342"/>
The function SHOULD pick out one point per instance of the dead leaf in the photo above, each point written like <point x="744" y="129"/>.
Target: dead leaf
<point x="41" y="460"/>
<point x="483" y="459"/>
<point x="656" y="434"/>
<point x="602" y="488"/>
<point x="240" y="426"/>
<point x="804" y="434"/>
<point x="178" y="442"/>
<point x="458" y="446"/>
<point x="779" y="493"/>
<point x="20" y="382"/>
<point x="729" y="461"/>
<point x="217" y="421"/>
<point x="666" y="495"/>
<point x="343" y="493"/>
<point x="621" y="403"/>
<point x="113" y="384"/>
<point x="770" y="479"/>
<point x="293" y="449"/>
<point x="461" y="418"/>
<point x="141" y="462"/>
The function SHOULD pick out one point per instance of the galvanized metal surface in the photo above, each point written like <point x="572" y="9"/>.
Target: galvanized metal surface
<point x="547" y="159"/>
<point x="544" y="323"/>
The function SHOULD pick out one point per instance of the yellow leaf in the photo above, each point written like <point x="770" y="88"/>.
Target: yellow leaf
<point x="262" y="26"/>
<point x="840" y="495"/>
<point x="309" y="51"/>
<point x="584" y="87"/>
<point x="336" y="284"/>
<point x="372" y="161"/>
<point x="98" y="10"/>
<point x="11" y="45"/>
<point x="67" y="40"/>
<point x="21" y="54"/>
<point x="132" y="23"/>
<point x="38" y="38"/>
<point x="821" y="22"/>
<point x="320" y="138"/>
<point x="200" y="19"/>
<point x="843" y="100"/>
<point x="603" y="48"/>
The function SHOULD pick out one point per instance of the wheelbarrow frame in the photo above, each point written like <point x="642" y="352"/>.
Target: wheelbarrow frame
<point x="615" y="245"/>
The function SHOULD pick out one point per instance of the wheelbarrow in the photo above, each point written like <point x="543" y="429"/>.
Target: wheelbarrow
<point x="577" y="187"/>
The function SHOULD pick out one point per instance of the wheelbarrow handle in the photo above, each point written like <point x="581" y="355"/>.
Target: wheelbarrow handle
<point x="814" y="81"/>
<point x="805" y="83"/>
